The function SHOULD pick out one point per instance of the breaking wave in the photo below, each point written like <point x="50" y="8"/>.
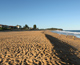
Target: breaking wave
<point x="69" y="32"/>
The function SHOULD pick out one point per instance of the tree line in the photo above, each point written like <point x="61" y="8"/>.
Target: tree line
<point x="27" y="27"/>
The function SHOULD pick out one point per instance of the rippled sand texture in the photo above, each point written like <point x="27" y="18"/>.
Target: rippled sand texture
<point x="27" y="47"/>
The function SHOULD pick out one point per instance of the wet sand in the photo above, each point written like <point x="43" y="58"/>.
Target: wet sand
<point x="38" y="48"/>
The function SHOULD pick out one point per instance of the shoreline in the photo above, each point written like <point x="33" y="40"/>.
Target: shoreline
<point x="63" y="38"/>
<point x="66" y="34"/>
<point x="65" y="47"/>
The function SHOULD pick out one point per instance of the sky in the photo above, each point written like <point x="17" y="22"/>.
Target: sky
<point x="63" y="14"/>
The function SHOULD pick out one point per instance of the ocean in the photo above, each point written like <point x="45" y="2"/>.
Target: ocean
<point x="69" y="32"/>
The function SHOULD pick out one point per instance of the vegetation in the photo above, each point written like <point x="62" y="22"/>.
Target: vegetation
<point x="0" y="28"/>
<point x="4" y="29"/>
<point x="34" y="26"/>
<point x="26" y="27"/>
<point x="53" y="29"/>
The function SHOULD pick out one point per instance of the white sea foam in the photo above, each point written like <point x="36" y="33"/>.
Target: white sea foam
<point x="77" y="34"/>
<point x="68" y="32"/>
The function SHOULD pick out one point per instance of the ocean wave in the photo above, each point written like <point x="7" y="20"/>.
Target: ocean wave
<point x="77" y="34"/>
<point x="67" y="32"/>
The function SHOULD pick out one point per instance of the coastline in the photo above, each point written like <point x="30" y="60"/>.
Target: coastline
<point x="66" y="38"/>
<point x="38" y="47"/>
<point x="66" y="47"/>
<point x="69" y="33"/>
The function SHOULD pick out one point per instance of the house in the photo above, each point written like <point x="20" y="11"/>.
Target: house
<point x="12" y="27"/>
<point x="30" y="28"/>
<point x="3" y="26"/>
<point x="0" y="26"/>
<point x="18" y="26"/>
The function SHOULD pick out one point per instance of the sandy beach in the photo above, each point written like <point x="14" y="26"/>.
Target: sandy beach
<point x="38" y="48"/>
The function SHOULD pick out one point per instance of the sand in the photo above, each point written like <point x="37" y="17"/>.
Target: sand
<point x="38" y="48"/>
<point x="67" y="48"/>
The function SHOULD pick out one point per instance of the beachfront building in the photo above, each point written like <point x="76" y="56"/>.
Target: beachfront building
<point x="12" y="27"/>
<point x="30" y="28"/>
<point x="0" y="26"/>
<point x="4" y="26"/>
<point x="18" y="26"/>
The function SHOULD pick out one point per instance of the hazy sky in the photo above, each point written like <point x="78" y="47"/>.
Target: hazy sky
<point x="63" y="14"/>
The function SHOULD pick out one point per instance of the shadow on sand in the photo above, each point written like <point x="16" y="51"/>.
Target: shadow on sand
<point x="64" y="51"/>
